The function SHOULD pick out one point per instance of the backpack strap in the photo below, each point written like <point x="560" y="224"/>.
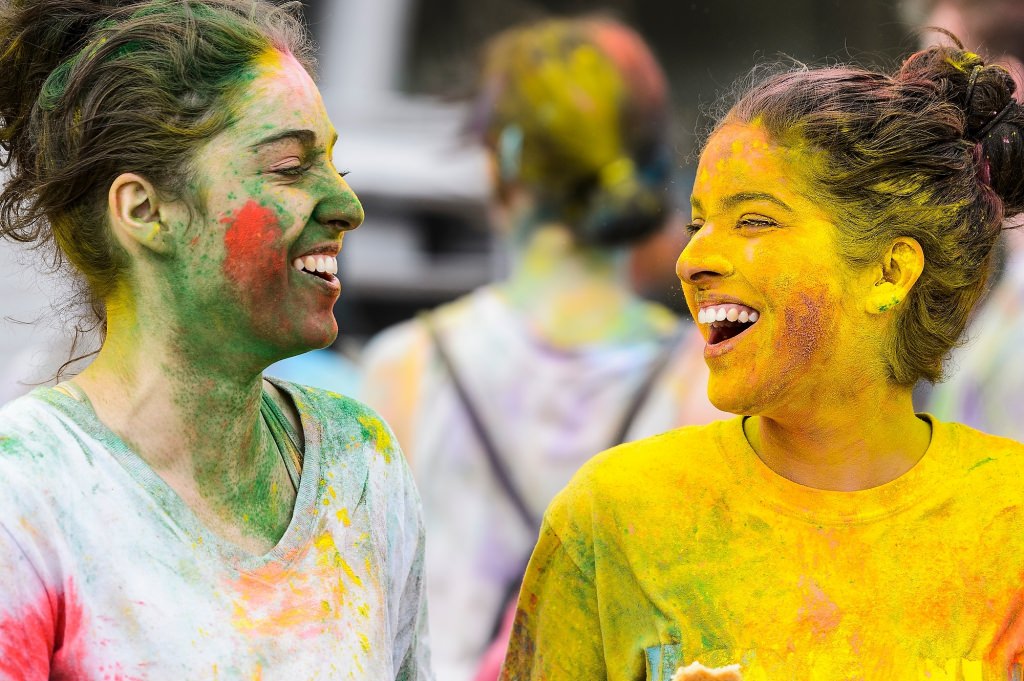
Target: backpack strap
<point x="647" y="386"/>
<point x="494" y="459"/>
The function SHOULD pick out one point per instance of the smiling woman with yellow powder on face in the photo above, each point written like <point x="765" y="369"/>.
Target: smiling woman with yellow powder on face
<point x="170" y="514"/>
<point x="843" y="224"/>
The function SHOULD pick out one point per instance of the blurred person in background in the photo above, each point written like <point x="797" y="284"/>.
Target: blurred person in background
<point x="168" y="513"/>
<point x="499" y="397"/>
<point x="985" y="388"/>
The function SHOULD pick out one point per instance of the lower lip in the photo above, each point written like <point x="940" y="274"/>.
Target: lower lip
<point x="331" y="285"/>
<point x="719" y="349"/>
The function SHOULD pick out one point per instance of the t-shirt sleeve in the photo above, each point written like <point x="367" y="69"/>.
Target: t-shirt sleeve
<point x="557" y="629"/>
<point x="412" y="655"/>
<point x="415" y="662"/>
<point x="28" y="614"/>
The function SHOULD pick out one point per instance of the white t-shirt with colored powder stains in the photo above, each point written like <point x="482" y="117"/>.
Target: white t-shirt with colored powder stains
<point x="105" y="573"/>
<point x="548" y="410"/>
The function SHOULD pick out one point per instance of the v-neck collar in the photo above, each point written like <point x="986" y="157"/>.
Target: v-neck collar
<point x="300" y="528"/>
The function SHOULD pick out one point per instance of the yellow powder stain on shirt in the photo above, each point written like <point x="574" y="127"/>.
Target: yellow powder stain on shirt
<point x="364" y="609"/>
<point x="327" y="550"/>
<point x="379" y="434"/>
<point x="896" y="582"/>
<point x="364" y="642"/>
<point x="971" y="670"/>
<point x="349" y="572"/>
<point x="343" y="517"/>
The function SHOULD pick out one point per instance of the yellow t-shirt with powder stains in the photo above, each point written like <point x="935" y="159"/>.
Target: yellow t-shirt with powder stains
<point x="686" y="547"/>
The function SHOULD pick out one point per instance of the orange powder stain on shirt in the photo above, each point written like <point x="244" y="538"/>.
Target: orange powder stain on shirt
<point x="274" y="598"/>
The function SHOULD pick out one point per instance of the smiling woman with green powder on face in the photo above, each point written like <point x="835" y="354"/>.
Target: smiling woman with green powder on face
<point x="168" y="513"/>
<point x="843" y="222"/>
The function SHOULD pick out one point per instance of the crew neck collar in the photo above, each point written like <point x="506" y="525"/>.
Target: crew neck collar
<point x="828" y="507"/>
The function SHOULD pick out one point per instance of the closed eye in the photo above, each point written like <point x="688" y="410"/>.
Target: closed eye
<point x="294" y="171"/>
<point x="757" y="222"/>
<point x="693" y="227"/>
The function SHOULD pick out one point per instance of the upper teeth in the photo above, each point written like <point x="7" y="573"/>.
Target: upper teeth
<point x="316" y="263"/>
<point x="731" y="312"/>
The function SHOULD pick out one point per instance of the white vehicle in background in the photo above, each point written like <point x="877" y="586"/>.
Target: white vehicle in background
<point x="425" y="239"/>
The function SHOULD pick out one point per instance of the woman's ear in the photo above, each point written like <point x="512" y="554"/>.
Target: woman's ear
<point x="895" y="274"/>
<point x="134" y="211"/>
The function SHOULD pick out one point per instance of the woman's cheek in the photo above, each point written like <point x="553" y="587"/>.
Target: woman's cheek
<point x="255" y="261"/>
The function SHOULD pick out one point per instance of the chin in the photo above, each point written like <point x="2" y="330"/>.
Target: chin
<point x="741" y="397"/>
<point x="321" y="336"/>
<point x="303" y="339"/>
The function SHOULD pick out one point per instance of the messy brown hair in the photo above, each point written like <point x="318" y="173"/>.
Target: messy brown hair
<point x="933" y="152"/>
<point x="90" y="89"/>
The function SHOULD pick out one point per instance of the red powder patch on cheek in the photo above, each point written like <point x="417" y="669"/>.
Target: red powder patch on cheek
<point x="250" y="244"/>
<point x="255" y="265"/>
<point x="808" y="322"/>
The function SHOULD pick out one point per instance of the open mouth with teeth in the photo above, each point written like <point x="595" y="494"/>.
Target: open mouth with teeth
<point x="322" y="266"/>
<point x="726" y="321"/>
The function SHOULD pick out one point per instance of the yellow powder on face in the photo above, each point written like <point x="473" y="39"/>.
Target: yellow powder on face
<point x="776" y="250"/>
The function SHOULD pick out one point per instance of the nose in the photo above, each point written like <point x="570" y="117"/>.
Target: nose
<point x="340" y="209"/>
<point x="702" y="260"/>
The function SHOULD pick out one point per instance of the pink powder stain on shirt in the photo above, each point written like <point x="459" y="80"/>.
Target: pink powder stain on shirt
<point x="46" y="640"/>
<point x="819" y="613"/>
<point x="27" y="640"/>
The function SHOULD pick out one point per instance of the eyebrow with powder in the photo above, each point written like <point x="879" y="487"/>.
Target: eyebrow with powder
<point x="742" y="197"/>
<point x="305" y="137"/>
<point x="734" y="200"/>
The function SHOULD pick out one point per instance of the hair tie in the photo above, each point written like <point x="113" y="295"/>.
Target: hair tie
<point x="996" y="120"/>
<point x="970" y="87"/>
